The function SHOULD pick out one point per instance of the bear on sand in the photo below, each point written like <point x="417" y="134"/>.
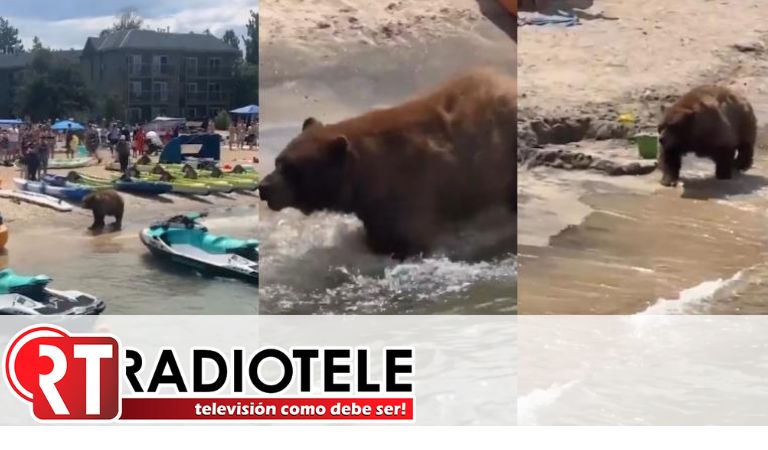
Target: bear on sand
<point x="409" y="171"/>
<point x="712" y="122"/>
<point x="104" y="203"/>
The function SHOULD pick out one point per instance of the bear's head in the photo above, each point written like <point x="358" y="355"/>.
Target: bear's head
<point x="310" y="173"/>
<point x="675" y="128"/>
<point x="90" y="200"/>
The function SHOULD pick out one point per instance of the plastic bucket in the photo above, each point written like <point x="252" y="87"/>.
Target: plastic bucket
<point x="647" y="145"/>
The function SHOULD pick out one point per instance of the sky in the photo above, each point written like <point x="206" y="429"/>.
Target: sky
<point x="66" y="24"/>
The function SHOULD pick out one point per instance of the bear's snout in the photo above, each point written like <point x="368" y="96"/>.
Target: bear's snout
<point x="266" y="189"/>
<point x="271" y="191"/>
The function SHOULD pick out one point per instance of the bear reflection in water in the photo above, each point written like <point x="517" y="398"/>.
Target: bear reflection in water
<point x="410" y="171"/>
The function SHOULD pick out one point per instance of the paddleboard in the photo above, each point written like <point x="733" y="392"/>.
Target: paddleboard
<point x="37" y="199"/>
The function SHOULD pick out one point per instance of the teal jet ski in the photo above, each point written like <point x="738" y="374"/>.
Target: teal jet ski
<point x="184" y="240"/>
<point x="30" y="295"/>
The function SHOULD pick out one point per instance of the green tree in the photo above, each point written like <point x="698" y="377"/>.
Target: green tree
<point x="126" y="19"/>
<point x="112" y="109"/>
<point x="244" y="85"/>
<point x="9" y="37"/>
<point x="52" y="87"/>
<point x="251" y="39"/>
<point x="36" y="44"/>
<point x="222" y="120"/>
<point x="231" y="38"/>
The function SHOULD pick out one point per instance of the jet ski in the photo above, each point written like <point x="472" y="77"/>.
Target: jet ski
<point x="184" y="240"/>
<point x="24" y="295"/>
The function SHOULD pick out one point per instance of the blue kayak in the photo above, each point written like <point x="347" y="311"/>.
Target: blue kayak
<point x="71" y="193"/>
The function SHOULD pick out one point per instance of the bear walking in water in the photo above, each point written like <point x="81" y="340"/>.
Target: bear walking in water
<point x="104" y="203"/>
<point x="410" y="170"/>
<point x="712" y="122"/>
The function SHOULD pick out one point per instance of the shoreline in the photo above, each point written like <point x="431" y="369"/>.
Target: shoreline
<point x="619" y="244"/>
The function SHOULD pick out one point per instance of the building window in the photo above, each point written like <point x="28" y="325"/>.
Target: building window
<point x="214" y="66"/>
<point x="135" y="63"/>
<point x="160" y="64"/>
<point x="191" y="65"/>
<point x="214" y="92"/>
<point x="160" y="91"/>
<point x="134" y="115"/>
<point x="135" y="89"/>
<point x="191" y="112"/>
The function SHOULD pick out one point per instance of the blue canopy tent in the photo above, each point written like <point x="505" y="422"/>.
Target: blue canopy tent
<point x="10" y="122"/>
<point x="64" y="125"/>
<point x="248" y="110"/>
<point x="210" y="148"/>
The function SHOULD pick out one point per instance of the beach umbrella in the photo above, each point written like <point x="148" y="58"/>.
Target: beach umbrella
<point x="65" y="125"/>
<point x="248" y="109"/>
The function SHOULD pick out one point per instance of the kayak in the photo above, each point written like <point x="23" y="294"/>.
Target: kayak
<point x="73" y="194"/>
<point x="214" y="184"/>
<point x="62" y="181"/>
<point x="131" y="185"/>
<point x="73" y="163"/>
<point x="180" y="185"/>
<point x="182" y="239"/>
<point x="31" y="296"/>
<point x="37" y="199"/>
<point x="138" y="186"/>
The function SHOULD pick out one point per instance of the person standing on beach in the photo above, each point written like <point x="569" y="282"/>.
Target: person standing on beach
<point x="138" y="142"/>
<point x="31" y="161"/>
<point x="92" y="142"/>
<point x="44" y="154"/>
<point x="123" y="154"/>
<point x="240" y="134"/>
<point x="232" y="135"/>
<point x="13" y="141"/>
<point x="68" y="150"/>
<point x="113" y="136"/>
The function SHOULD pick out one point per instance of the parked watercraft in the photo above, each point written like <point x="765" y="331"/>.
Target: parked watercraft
<point x="182" y="239"/>
<point x="72" y="194"/>
<point x="31" y="296"/>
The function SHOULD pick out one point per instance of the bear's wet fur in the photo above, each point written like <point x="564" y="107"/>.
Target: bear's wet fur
<point x="712" y="122"/>
<point x="104" y="203"/>
<point x="409" y="171"/>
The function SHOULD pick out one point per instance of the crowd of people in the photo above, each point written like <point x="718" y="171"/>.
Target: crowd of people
<point x="33" y="144"/>
<point x="242" y="134"/>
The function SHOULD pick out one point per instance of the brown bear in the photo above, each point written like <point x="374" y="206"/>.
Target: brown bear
<point x="410" y="170"/>
<point x="712" y="122"/>
<point x="104" y="203"/>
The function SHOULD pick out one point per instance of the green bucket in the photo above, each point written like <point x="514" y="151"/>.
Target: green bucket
<point x="647" y="145"/>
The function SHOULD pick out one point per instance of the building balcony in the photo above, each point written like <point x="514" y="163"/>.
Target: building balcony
<point x="149" y="97"/>
<point x="208" y="72"/>
<point x="151" y="70"/>
<point x="205" y="97"/>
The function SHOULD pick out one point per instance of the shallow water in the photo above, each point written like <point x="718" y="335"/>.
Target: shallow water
<point x="117" y="268"/>
<point x="319" y="264"/>
<point x="700" y="248"/>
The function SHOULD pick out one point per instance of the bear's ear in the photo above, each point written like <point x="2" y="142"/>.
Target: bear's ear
<point x="679" y="118"/>
<point x="310" y="123"/>
<point x="339" y="148"/>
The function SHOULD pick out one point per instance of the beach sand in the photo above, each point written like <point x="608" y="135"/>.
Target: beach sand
<point x="592" y="243"/>
<point x="339" y="57"/>
<point x="24" y="216"/>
